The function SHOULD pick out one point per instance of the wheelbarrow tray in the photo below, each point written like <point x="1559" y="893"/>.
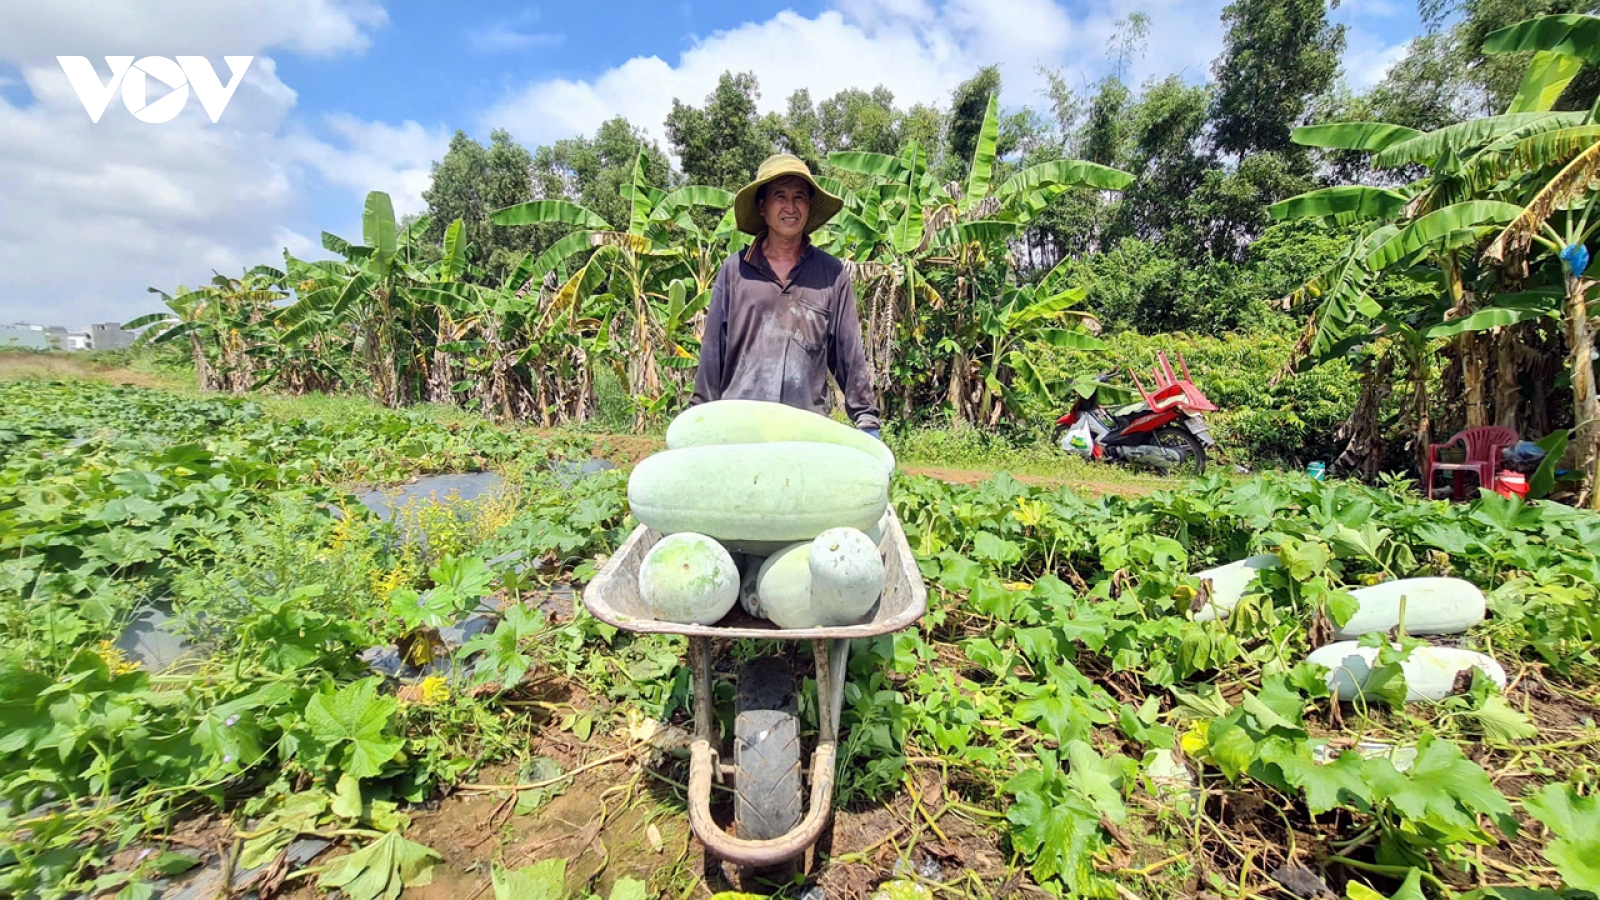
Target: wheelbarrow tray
<point x="613" y="597"/>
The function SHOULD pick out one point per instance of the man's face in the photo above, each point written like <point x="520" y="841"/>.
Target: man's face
<point x="786" y="206"/>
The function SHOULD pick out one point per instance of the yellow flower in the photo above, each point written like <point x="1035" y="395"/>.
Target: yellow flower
<point x="435" y="690"/>
<point x="118" y="663"/>
<point x="1196" y="740"/>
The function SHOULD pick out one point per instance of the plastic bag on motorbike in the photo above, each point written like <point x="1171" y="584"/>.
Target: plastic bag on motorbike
<point x="1079" y="438"/>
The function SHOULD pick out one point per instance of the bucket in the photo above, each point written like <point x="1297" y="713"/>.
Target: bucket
<point x="1508" y="483"/>
<point x="1318" y="470"/>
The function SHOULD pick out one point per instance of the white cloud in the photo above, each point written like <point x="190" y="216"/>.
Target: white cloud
<point x="375" y="156"/>
<point x="916" y="48"/>
<point x="1368" y="58"/>
<point x="512" y="35"/>
<point x="95" y="213"/>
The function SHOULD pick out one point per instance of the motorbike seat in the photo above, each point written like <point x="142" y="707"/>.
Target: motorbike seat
<point x="1128" y="410"/>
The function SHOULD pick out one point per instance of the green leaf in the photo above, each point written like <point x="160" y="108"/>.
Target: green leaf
<point x="1570" y="35"/>
<point x="1443" y="789"/>
<point x="1326" y="785"/>
<point x="627" y="888"/>
<point x="1097" y="778"/>
<point x="1066" y="172"/>
<point x="1502" y="722"/>
<point x="357" y="716"/>
<point x="1342" y="205"/>
<point x="1460" y="138"/>
<point x="1575" y="823"/>
<point x="540" y="211"/>
<point x="1410" y="889"/>
<point x="347" y="798"/>
<point x="1369" y="136"/>
<point x="1438" y="225"/>
<point x="544" y="880"/>
<point x="983" y="154"/>
<point x="377" y="224"/>
<point x="1548" y="76"/>
<point x="454" y="262"/>
<point x="1554" y="446"/>
<point x="1508" y="309"/>
<point x="382" y="869"/>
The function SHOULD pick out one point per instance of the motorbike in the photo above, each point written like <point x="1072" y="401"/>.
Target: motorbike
<point x="1165" y="430"/>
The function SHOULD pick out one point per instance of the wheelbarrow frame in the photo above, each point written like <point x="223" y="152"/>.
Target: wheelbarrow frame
<point x="613" y="597"/>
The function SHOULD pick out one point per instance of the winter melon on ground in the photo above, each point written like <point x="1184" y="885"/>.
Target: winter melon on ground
<point x="1433" y="606"/>
<point x="783" y="587"/>
<point x="846" y="575"/>
<point x="688" y="578"/>
<point x="1229" y="583"/>
<point x="1430" y="672"/>
<point x="787" y="491"/>
<point x="760" y="422"/>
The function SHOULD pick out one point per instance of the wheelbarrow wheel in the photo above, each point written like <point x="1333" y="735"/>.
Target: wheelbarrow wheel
<point x="766" y="752"/>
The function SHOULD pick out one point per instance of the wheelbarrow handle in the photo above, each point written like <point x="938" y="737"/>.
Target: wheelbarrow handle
<point x="758" y="854"/>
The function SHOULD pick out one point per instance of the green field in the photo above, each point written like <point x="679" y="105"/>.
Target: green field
<point x="1055" y="720"/>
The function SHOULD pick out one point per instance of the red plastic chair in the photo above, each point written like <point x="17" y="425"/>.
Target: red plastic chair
<point x="1483" y="456"/>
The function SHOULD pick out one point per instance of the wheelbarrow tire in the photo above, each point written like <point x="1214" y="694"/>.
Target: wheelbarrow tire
<point x="767" y="794"/>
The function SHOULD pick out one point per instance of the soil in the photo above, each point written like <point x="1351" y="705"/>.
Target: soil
<point x="978" y="476"/>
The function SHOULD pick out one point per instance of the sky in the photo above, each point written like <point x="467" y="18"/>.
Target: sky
<point x="346" y="96"/>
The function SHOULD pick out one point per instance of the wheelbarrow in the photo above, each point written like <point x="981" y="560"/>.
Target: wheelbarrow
<point x="769" y="829"/>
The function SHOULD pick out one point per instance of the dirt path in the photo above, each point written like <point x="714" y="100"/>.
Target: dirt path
<point x="978" y="476"/>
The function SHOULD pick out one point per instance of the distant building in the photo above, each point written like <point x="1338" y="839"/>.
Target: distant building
<point x="109" y="336"/>
<point x="34" y="337"/>
<point x="80" y="340"/>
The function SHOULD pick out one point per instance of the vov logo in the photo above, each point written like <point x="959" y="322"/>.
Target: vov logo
<point x="188" y="71"/>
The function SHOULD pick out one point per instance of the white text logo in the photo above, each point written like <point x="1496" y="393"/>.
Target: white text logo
<point x="188" y="71"/>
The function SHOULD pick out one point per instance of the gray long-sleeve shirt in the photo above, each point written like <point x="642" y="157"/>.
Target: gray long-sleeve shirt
<point x="766" y="339"/>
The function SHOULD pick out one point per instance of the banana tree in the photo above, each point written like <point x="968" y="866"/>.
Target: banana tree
<point x="920" y="250"/>
<point x="191" y="315"/>
<point x="638" y="265"/>
<point x="1561" y="187"/>
<point x="369" y="292"/>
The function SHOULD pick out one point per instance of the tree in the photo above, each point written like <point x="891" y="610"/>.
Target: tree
<point x="470" y="182"/>
<point x="1277" y="56"/>
<point x="723" y="143"/>
<point x="591" y="172"/>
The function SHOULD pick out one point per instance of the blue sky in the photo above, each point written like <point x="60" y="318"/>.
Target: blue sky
<point x="346" y="96"/>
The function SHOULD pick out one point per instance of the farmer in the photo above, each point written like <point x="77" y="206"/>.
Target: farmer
<point x="783" y="313"/>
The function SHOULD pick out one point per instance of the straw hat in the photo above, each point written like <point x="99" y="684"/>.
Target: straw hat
<point x="823" y="204"/>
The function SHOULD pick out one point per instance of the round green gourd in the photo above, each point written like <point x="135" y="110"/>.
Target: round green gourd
<point x="761" y="422"/>
<point x="788" y="491"/>
<point x="846" y="575"/>
<point x="689" y="579"/>
<point x="783" y="586"/>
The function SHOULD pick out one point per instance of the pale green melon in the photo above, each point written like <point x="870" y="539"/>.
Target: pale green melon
<point x="875" y="533"/>
<point x="760" y="422"/>
<point x="789" y="491"/>
<point x="689" y="579"/>
<point x="783" y="586"/>
<point x="846" y="575"/>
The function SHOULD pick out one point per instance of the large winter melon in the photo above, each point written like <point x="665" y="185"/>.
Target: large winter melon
<point x="1433" y="606"/>
<point x="1229" y="583"/>
<point x="783" y="586"/>
<point x="760" y="422"/>
<point x="1430" y="672"/>
<point x="787" y="491"/>
<point x="846" y="575"/>
<point x="688" y="578"/>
